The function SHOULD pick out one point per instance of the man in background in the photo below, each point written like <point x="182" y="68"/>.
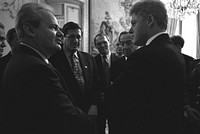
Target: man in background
<point x="104" y="61"/>
<point x="78" y="70"/>
<point x="12" y="40"/>
<point x="2" y="39"/>
<point x="179" y="43"/>
<point x="126" y="40"/>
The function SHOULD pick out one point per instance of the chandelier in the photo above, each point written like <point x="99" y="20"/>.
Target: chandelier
<point x="179" y="8"/>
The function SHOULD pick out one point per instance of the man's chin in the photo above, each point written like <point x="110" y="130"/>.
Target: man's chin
<point x="59" y="47"/>
<point x="74" y="49"/>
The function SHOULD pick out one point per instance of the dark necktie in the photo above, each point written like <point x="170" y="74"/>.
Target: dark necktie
<point x="106" y="69"/>
<point x="76" y="69"/>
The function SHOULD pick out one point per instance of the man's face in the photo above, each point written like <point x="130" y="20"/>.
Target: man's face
<point x="103" y="45"/>
<point x="127" y="43"/>
<point x="2" y="41"/>
<point x="128" y="48"/>
<point x="48" y="35"/>
<point x="73" y="40"/>
<point x="119" y="49"/>
<point x="139" y="29"/>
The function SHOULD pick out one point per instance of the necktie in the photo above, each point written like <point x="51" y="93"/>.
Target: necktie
<point x="106" y="69"/>
<point x="76" y="69"/>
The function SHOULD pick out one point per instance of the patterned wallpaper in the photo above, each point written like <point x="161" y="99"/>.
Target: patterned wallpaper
<point x="109" y="17"/>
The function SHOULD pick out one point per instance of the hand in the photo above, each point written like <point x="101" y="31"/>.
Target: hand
<point x="192" y="114"/>
<point x="92" y="110"/>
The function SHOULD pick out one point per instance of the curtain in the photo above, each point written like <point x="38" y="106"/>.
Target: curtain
<point x="171" y="27"/>
<point x="198" y="36"/>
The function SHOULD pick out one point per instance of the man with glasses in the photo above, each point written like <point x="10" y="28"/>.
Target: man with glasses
<point x="2" y="39"/>
<point x="78" y="69"/>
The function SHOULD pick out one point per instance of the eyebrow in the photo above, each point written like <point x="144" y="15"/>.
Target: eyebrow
<point x="54" y="25"/>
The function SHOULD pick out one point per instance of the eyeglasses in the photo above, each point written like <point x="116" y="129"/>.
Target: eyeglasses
<point x="73" y="36"/>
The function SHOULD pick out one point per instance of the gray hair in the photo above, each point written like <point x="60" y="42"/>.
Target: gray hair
<point x="154" y="7"/>
<point x="30" y="14"/>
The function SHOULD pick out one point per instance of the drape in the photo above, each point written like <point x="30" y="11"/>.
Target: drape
<point x="171" y="27"/>
<point x="198" y="36"/>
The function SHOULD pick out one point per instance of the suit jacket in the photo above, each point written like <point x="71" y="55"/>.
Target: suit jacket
<point x="103" y="83"/>
<point x="3" y="62"/>
<point x="100" y="69"/>
<point x="35" y="99"/>
<point x="147" y="96"/>
<point x="188" y="60"/>
<point x="117" y="67"/>
<point x="83" y="99"/>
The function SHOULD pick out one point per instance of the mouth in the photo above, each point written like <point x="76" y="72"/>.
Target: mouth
<point x="59" y="41"/>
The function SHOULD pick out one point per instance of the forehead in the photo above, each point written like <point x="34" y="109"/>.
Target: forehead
<point x="126" y="37"/>
<point x="101" y="39"/>
<point x="74" y="31"/>
<point x="48" y="17"/>
<point x="134" y="18"/>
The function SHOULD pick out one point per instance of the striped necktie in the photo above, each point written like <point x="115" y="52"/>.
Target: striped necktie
<point x="106" y="69"/>
<point x="76" y="69"/>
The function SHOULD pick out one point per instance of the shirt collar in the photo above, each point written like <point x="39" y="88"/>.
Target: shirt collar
<point x="153" y="37"/>
<point x="107" y="56"/>
<point x="38" y="52"/>
<point x="68" y="54"/>
<point x="76" y="54"/>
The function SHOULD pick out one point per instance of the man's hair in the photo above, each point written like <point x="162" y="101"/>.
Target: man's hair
<point x="11" y="34"/>
<point x="124" y="32"/>
<point x="2" y="26"/>
<point x="102" y="35"/>
<point x="30" y="13"/>
<point x="154" y="7"/>
<point x="70" y="26"/>
<point x="177" y="40"/>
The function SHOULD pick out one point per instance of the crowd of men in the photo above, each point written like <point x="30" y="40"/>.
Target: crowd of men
<point x="48" y="85"/>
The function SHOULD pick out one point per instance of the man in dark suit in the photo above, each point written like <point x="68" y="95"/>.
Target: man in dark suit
<point x="84" y="96"/>
<point x="12" y="40"/>
<point x="2" y="38"/>
<point x="179" y="43"/>
<point x="147" y="97"/>
<point x="126" y="40"/>
<point x="102" y="44"/>
<point x="35" y="99"/>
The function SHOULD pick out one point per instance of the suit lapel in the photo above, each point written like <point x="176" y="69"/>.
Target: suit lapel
<point x="162" y="37"/>
<point x="84" y="67"/>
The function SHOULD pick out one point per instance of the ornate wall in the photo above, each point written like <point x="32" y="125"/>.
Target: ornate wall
<point x="8" y="10"/>
<point x="109" y="17"/>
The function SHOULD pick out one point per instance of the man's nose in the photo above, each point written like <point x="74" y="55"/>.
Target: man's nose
<point x="60" y="34"/>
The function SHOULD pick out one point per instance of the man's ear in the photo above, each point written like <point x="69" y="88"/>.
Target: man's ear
<point x="28" y="29"/>
<point x="150" y="20"/>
